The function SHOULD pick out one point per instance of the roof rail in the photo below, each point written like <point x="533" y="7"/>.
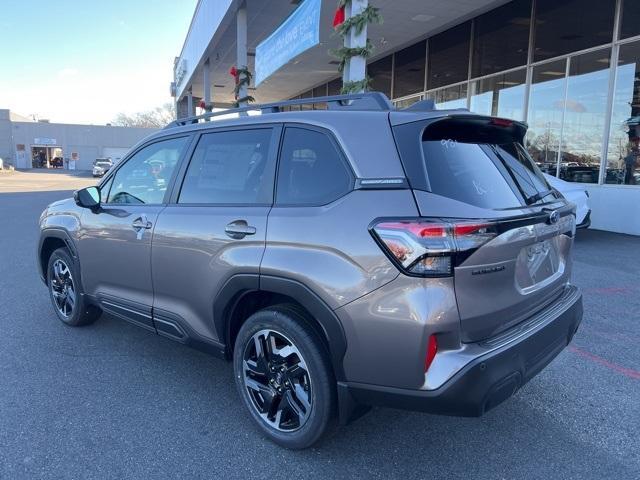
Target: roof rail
<point x="368" y="101"/>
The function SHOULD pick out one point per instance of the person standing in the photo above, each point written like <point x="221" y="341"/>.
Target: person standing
<point x="630" y="162"/>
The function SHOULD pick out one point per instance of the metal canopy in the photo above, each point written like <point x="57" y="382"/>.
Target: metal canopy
<point x="405" y="22"/>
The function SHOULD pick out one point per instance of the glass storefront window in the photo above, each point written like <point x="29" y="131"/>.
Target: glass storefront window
<point x="500" y="95"/>
<point x="449" y="97"/>
<point x="623" y="160"/>
<point x="501" y="38"/>
<point x="407" y="102"/>
<point x="630" y="26"/>
<point x="566" y="132"/>
<point x="571" y="25"/>
<point x="546" y="99"/>
<point x="334" y="86"/>
<point x="380" y="73"/>
<point x="449" y="56"/>
<point x="408" y="74"/>
<point x="584" y="117"/>
<point x="320" y="91"/>
<point x="307" y="94"/>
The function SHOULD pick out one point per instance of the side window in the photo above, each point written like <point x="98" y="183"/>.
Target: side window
<point x="104" y="190"/>
<point x="231" y="167"/>
<point x="145" y="176"/>
<point x="312" y="170"/>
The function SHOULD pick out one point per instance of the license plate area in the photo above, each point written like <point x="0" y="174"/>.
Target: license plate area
<point x="538" y="265"/>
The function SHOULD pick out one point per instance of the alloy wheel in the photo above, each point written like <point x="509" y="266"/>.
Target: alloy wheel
<point x="62" y="288"/>
<point x="277" y="380"/>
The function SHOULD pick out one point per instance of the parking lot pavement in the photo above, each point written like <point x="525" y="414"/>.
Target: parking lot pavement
<point x="45" y="180"/>
<point x="112" y="401"/>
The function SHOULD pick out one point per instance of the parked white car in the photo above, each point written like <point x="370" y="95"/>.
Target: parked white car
<point x="575" y="193"/>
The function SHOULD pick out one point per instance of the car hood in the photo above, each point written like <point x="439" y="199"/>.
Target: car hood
<point x="62" y="205"/>
<point x="562" y="186"/>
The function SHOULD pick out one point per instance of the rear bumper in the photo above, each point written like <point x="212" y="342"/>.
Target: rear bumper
<point x="489" y="379"/>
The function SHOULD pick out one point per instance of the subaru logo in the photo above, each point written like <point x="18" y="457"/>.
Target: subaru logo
<point x="554" y="217"/>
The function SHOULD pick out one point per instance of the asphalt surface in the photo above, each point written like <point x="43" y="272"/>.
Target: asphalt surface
<point x="113" y="401"/>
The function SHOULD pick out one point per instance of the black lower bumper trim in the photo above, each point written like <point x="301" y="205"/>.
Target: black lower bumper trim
<point x="586" y="223"/>
<point x="485" y="382"/>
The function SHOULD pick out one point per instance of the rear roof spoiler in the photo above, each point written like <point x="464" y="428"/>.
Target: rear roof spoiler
<point x="462" y="125"/>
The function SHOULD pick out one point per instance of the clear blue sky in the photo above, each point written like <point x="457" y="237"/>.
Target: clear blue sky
<point x="84" y="61"/>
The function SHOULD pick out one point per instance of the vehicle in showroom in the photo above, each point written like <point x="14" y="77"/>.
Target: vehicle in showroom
<point x="101" y="166"/>
<point x="418" y="261"/>
<point x="576" y="194"/>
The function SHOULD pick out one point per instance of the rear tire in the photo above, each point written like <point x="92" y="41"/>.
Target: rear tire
<point x="284" y="376"/>
<point x="65" y="291"/>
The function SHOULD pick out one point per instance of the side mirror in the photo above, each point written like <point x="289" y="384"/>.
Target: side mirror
<point x="87" y="197"/>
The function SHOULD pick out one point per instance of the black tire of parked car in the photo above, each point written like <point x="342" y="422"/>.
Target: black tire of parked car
<point x="289" y="322"/>
<point x="81" y="313"/>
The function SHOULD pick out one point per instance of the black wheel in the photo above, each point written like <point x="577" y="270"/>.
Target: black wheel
<point x="66" y="292"/>
<point x="284" y="377"/>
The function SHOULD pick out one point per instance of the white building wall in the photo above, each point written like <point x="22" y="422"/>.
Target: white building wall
<point x="205" y="24"/>
<point x="89" y="141"/>
<point x="615" y="208"/>
<point x="6" y="150"/>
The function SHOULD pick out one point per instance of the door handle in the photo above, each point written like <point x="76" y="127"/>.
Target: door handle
<point x="239" y="229"/>
<point x="141" y="222"/>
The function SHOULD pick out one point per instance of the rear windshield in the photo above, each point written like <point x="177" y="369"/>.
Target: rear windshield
<point x="484" y="175"/>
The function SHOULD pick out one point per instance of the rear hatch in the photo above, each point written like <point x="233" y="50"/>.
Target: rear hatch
<point x="472" y="172"/>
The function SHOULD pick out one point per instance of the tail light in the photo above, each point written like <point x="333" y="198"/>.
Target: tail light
<point x="432" y="349"/>
<point x="429" y="248"/>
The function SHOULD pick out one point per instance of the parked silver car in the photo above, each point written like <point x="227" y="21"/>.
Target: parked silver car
<point x="341" y="258"/>
<point x="101" y="166"/>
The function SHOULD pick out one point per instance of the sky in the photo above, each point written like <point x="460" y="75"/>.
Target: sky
<point x="85" y="61"/>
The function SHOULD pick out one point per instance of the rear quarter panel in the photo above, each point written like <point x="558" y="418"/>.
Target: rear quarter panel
<point x="329" y="248"/>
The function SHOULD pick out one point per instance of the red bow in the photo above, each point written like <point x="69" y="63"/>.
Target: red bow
<point x="338" y="18"/>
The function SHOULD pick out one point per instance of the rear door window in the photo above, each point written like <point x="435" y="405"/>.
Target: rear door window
<point x="312" y="170"/>
<point x="231" y="167"/>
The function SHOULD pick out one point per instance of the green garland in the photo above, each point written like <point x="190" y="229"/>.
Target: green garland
<point x="243" y="78"/>
<point x="368" y="15"/>
<point x="357" y="86"/>
<point x="357" y="22"/>
<point x="344" y="53"/>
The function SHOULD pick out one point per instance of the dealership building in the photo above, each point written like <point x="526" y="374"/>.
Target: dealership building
<point x="569" y="68"/>
<point x="25" y="143"/>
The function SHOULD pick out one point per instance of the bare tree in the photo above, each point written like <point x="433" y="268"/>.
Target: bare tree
<point x="156" y="118"/>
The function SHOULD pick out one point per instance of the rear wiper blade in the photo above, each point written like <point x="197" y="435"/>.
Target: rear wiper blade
<point x="537" y="197"/>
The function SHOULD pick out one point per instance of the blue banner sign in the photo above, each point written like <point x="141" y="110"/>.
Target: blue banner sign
<point x="299" y="32"/>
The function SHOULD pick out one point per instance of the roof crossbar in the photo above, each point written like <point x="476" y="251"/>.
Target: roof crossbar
<point x="368" y="101"/>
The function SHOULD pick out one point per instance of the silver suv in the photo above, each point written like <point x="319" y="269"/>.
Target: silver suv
<point x="342" y="256"/>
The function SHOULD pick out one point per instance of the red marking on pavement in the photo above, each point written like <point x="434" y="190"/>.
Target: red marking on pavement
<point x="627" y="372"/>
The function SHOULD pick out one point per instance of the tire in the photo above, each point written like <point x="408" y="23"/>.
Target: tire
<point x="65" y="291"/>
<point x="301" y="387"/>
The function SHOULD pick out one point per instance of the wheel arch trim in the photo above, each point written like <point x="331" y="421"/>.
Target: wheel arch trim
<point x="60" y="234"/>
<point x="236" y="287"/>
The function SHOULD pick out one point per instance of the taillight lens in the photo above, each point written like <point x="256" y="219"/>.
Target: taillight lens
<point x="432" y="349"/>
<point x="427" y="247"/>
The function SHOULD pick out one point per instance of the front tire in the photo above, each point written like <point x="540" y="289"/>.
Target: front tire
<point x="284" y="377"/>
<point x="65" y="291"/>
